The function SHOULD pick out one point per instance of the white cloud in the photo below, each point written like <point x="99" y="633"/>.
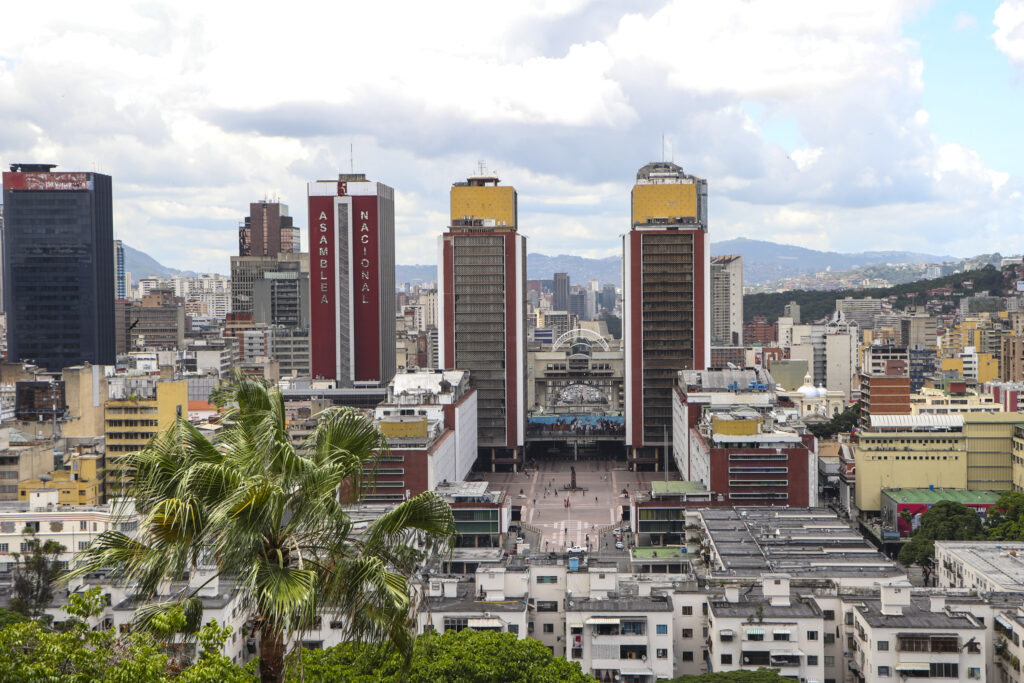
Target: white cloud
<point x="964" y="21"/>
<point x="1009" y="33"/>
<point x="196" y="110"/>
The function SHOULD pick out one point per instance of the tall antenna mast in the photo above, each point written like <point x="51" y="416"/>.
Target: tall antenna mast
<point x="351" y="159"/>
<point x="663" y="145"/>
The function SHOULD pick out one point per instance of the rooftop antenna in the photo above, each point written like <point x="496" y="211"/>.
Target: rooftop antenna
<point x="663" y="146"/>
<point x="483" y="166"/>
<point x="351" y="159"/>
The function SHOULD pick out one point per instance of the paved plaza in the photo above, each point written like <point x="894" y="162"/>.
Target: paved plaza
<point x="543" y="499"/>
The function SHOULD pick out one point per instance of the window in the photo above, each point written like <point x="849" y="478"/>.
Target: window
<point x="662" y="653"/>
<point x="779" y="635"/>
<point x="830" y="660"/>
<point x="83" y="525"/>
<point x="812" y="635"/>
<point x="944" y="670"/>
<point x="755" y="635"/>
<point x="549" y="628"/>
<point x="687" y="610"/>
<point x="4" y="548"/>
<point x="513" y="628"/>
<point x="455" y="624"/>
<point x="82" y="545"/>
<point x="830" y="638"/>
<point x="726" y="659"/>
<point x="687" y="633"/>
<point x="547" y="605"/>
<point x="884" y="672"/>
<point x="883" y="646"/>
<point x="687" y="655"/>
<point x="812" y="660"/>
<point x="340" y="624"/>
<point x="577" y="653"/>
<point x="547" y="579"/>
<point x="661" y="629"/>
<point x="974" y="672"/>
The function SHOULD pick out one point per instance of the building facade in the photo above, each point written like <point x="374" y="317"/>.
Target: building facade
<point x="666" y="299"/>
<point x="352" y="280"/>
<point x="482" y="309"/>
<point x="58" y="266"/>
<point x="727" y="300"/>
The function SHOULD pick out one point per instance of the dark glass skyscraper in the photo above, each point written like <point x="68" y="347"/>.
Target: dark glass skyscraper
<point x="58" y="266"/>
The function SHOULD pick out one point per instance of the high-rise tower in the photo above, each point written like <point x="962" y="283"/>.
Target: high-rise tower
<point x="268" y="230"/>
<point x="482" y="309"/>
<point x="120" y="279"/>
<point x="666" y="300"/>
<point x="727" y="300"/>
<point x="352" y="280"/>
<point x="58" y="266"/>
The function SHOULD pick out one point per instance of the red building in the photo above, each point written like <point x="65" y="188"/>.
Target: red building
<point x="666" y="301"/>
<point x="352" y="281"/>
<point x="759" y="331"/>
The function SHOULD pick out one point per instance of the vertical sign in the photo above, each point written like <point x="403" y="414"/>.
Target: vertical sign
<point x="366" y="292"/>
<point x="324" y="326"/>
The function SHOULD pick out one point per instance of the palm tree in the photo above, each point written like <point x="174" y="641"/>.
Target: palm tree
<point x="270" y="517"/>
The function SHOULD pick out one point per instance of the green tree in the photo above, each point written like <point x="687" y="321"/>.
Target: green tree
<point x="268" y="515"/>
<point x="31" y="652"/>
<point x="1005" y="519"/>
<point x="464" y="657"/>
<point x="741" y="676"/>
<point x="843" y="422"/>
<point x="944" y="521"/>
<point x="35" y="570"/>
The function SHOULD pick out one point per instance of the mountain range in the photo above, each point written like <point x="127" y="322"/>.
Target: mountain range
<point x="763" y="262"/>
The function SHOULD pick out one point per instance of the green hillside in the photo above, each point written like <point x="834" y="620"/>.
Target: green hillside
<point x="815" y="305"/>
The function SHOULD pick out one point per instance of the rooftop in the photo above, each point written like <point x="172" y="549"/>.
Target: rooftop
<point x="962" y="496"/>
<point x="917" y="615"/>
<point x="924" y="421"/>
<point x="676" y="487"/>
<point x="1001" y="562"/>
<point x="664" y="552"/>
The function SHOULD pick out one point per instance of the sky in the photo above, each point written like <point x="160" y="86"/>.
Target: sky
<point x="830" y="125"/>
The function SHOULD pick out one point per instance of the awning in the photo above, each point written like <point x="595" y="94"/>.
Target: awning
<point x="576" y="624"/>
<point x="754" y="631"/>
<point x="604" y="621"/>
<point x="635" y="672"/>
<point x="918" y="666"/>
<point x="1005" y="623"/>
<point x="727" y="633"/>
<point x="780" y="632"/>
<point x="786" y="653"/>
<point x="485" y="623"/>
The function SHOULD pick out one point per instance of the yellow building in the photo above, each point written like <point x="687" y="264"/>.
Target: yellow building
<point x="492" y="203"/>
<point x="138" y="409"/>
<point x="664" y="201"/>
<point x="79" y="483"/>
<point x="909" y="451"/>
<point x="933" y="401"/>
<point x="1017" y="458"/>
<point x="989" y="440"/>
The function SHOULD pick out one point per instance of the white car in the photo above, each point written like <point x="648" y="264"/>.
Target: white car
<point x="576" y="549"/>
<point x="519" y="539"/>
<point x="618" y="545"/>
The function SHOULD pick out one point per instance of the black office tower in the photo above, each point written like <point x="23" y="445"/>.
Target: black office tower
<point x="58" y="266"/>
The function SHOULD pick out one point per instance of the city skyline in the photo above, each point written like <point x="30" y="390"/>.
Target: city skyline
<point x="881" y="125"/>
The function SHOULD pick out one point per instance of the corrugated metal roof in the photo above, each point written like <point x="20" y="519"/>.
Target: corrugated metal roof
<point x="916" y="421"/>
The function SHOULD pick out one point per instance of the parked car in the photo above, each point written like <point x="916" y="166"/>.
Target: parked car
<point x="576" y="550"/>
<point x="618" y="545"/>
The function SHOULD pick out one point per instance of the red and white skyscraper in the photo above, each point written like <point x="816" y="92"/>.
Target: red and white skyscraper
<point x="352" y="280"/>
<point x="482" y="310"/>
<point x="666" y="301"/>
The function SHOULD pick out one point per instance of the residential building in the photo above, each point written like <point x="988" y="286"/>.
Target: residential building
<point x="758" y="331"/>
<point x="482" y="310"/>
<point x="139" y="407"/>
<point x="861" y="311"/>
<point x="726" y="300"/>
<point x="157" y="323"/>
<point x="120" y="279"/>
<point x="58" y="266"/>
<point x="80" y="481"/>
<point x="352" y="275"/>
<point x="666" y="301"/>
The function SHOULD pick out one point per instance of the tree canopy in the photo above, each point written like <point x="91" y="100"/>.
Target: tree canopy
<point x="464" y="657"/>
<point x="1005" y="520"/>
<point x="741" y="676"/>
<point x="843" y="422"/>
<point x="31" y="652"/>
<point x="945" y="521"/>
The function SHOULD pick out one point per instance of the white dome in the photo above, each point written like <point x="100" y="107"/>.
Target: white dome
<point x="808" y="391"/>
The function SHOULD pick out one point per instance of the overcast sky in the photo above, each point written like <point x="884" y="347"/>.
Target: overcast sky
<point x="832" y="125"/>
